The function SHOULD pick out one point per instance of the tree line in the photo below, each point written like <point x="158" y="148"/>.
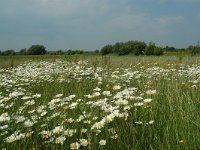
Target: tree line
<point x="142" y="48"/>
<point x="119" y="48"/>
<point x="33" y="50"/>
<point x="135" y="47"/>
<point x="39" y="50"/>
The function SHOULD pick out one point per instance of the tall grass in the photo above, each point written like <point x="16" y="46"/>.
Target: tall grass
<point x="152" y="102"/>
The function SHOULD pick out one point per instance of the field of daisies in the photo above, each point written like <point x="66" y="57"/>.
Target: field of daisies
<point x="100" y="104"/>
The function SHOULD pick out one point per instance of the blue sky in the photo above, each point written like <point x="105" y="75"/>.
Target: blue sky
<point x="91" y="24"/>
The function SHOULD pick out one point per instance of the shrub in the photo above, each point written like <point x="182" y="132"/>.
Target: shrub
<point x="106" y="50"/>
<point x="158" y="51"/>
<point x="37" y="50"/>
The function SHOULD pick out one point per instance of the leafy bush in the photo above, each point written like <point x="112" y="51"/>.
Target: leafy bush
<point x="158" y="51"/>
<point x="37" y="50"/>
<point x="124" y="50"/>
<point x="106" y="50"/>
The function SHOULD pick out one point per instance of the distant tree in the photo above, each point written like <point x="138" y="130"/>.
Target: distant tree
<point x="182" y="49"/>
<point x="198" y="50"/>
<point x="170" y="49"/>
<point x="71" y="52"/>
<point x="23" y="51"/>
<point x="116" y="47"/>
<point x="9" y="52"/>
<point x="150" y="49"/>
<point x="59" y="52"/>
<point x="97" y="51"/>
<point x="135" y="47"/>
<point x="190" y="47"/>
<point x="79" y="51"/>
<point x="37" y="50"/>
<point x="194" y="49"/>
<point x="124" y="50"/>
<point x="158" y="51"/>
<point x="139" y="47"/>
<point x="106" y="50"/>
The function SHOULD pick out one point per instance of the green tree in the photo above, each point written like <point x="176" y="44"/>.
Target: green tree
<point x="59" y="52"/>
<point x="170" y="49"/>
<point x="97" y="51"/>
<point x="106" y="50"/>
<point x="37" y="50"/>
<point x="71" y="52"/>
<point x="124" y="50"/>
<point x="138" y="47"/>
<point x="158" y="51"/>
<point x="9" y="52"/>
<point x="116" y="47"/>
<point x="79" y="51"/>
<point x="23" y="51"/>
<point x="195" y="50"/>
<point x="150" y="49"/>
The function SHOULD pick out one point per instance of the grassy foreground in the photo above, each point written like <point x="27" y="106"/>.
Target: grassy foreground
<point x="94" y="102"/>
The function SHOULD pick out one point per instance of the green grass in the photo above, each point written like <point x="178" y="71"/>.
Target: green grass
<point x="174" y="109"/>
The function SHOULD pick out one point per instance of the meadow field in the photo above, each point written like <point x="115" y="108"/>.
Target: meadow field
<point x="100" y="102"/>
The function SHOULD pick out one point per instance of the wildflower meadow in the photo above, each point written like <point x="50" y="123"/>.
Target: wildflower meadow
<point x="95" y="102"/>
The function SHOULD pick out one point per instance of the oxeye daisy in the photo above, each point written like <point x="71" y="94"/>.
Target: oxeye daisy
<point x="84" y="142"/>
<point x="102" y="142"/>
<point x="75" y="145"/>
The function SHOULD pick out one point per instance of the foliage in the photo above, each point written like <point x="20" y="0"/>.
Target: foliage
<point x="139" y="48"/>
<point x="135" y="47"/>
<point x="36" y="50"/>
<point x="194" y="49"/>
<point x="150" y="49"/>
<point x="63" y="52"/>
<point x="23" y="51"/>
<point x="158" y="51"/>
<point x="116" y="47"/>
<point x="9" y="52"/>
<point x="106" y="50"/>
<point x="97" y="51"/>
<point x="59" y="52"/>
<point x="124" y="50"/>
<point x="121" y="48"/>
<point x="73" y="52"/>
<point x="170" y="49"/>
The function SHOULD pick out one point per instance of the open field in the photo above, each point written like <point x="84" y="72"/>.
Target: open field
<point x="94" y="102"/>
